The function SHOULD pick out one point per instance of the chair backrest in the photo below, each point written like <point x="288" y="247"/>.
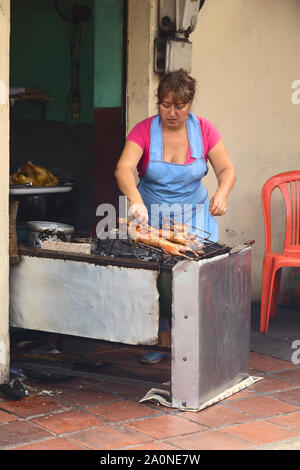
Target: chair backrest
<point x="288" y="183"/>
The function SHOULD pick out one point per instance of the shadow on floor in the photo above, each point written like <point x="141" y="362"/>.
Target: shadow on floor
<point x="283" y="330"/>
<point x="97" y="358"/>
<point x="47" y="356"/>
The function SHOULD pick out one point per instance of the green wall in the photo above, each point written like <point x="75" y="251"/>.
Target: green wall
<point x="108" y="53"/>
<point x="40" y="56"/>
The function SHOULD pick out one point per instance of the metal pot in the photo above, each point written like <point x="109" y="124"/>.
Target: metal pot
<point x="39" y="231"/>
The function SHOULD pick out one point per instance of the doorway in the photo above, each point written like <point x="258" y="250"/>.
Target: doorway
<point x="67" y="105"/>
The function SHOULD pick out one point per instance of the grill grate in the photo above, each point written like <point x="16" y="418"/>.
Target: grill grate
<point x="128" y="249"/>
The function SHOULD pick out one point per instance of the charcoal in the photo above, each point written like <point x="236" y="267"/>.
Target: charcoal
<point x="127" y="248"/>
<point x="13" y="388"/>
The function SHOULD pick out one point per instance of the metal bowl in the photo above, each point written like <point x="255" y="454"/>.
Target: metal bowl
<point x="39" y="231"/>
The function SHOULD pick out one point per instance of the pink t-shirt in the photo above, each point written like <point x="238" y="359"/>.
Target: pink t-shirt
<point x="140" y="134"/>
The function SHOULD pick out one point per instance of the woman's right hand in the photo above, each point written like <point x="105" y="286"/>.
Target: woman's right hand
<point x="139" y="212"/>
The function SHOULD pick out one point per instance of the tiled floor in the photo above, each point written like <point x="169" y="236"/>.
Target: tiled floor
<point x="85" y="413"/>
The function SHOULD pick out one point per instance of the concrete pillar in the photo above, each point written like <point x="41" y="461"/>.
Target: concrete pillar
<point x="4" y="186"/>
<point x="142" y="81"/>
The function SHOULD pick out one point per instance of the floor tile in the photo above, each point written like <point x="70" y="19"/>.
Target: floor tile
<point x="291" y="421"/>
<point x="157" y="445"/>
<point x="6" y="417"/>
<point x="209" y="440"/>
<point x="19" y="432"/>
<point x="259" y="432"/>
<point x="87" y="396"/>
<point x="293" y="374"/>
<point x="33" y="405"/>
<point x="111" y="417"/>
<point x="51" y="444"/>
<point x="262" y="406"/>
<point x="255" y="372"/>
<point x="161" y="427"/>
<point x="290" y="396"/>
<point x="218" y="415"/>
<point x="68" y="421"/>
<point x="264" y="363"/>
<point x="270" y="383"/>
<point x="238" y="395"/>
<point x="57" y="387"/>
<point x="122" y="410"/>
<point x="109" y="437"/>
<point x="102" y="348"/>
<point x="125" y="390"/>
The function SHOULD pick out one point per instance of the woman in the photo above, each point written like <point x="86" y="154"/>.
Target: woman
<point x="170" y="152"/>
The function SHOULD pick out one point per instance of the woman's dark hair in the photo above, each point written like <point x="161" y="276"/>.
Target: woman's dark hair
<point x="180" y="84"/>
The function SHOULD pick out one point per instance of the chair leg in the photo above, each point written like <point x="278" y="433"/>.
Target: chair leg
<point x="265" y="294"/>
<point x="273" y="295"/>
<point x="276" y="290"/>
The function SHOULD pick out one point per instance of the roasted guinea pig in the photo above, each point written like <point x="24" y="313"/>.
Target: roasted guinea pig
<point x="167" y="240"/>
<point x="35" y="174"/>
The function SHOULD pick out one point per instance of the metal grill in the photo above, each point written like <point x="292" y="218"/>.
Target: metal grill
<point x="128" y="249"/>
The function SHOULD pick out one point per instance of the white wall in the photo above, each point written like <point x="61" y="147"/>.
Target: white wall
<point x="4" y="180"/>
<point x="142" y="81"/>
<point x="246" y="54"/>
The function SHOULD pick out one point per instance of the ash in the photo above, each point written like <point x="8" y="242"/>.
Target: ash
<point x="128" y="249"/>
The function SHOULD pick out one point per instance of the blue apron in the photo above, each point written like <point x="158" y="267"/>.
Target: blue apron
<point x="171" y="190"/>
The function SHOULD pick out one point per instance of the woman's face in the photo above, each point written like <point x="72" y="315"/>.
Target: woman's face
<point x="173" y="114"/>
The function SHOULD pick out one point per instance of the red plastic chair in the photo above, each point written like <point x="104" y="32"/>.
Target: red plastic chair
<point x="288" y="183"/>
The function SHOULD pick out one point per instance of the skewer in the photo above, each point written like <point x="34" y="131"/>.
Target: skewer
<point x="173" y="224"/>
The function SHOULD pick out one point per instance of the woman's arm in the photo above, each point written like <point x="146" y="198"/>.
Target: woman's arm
<point x="226" y="176"/>
<point x="124" y="174"/>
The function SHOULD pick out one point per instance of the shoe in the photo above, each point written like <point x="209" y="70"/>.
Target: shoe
<point x="152" y="357"/>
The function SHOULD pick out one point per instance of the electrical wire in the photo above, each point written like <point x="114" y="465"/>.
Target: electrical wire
<point x="60" y="13"/>
<point x="74" y="45"/>
<point x="201" y="4"/>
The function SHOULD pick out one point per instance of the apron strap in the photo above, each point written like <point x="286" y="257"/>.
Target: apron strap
<point x="194" y="136"/>
<point x="156" y="140"/>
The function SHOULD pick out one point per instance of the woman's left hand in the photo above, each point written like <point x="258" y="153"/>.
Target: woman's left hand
<point x="218" y="204"/>
<point x="225" y="173"/>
